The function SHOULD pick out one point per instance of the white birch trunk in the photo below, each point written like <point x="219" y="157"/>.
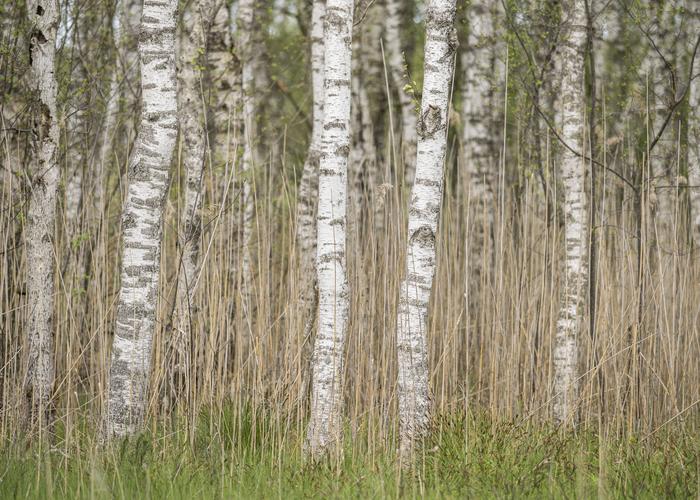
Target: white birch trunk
<point x="478" y="149"/>
<point x="108" y="127"/>
<point x="225" y="76"/>
<point x="308" y="184"/>
<point x="191" y="76"/>
<point x="359" y="153"/>
<point x="396" y="63"/>
<point x="246" y="39"/>
<point x="694" y="127"/>
<point x="661" y="158"/>
<point x="261" y="65"/>
<point x="142" y="218"/>
<point x="120" y="26"/>
<point x="372" y="103"/>
<point x="74" y="184"/>
<point x="75" y="130"/>
<point x="43" y="18"/>
<point x="424" y="213"/>
<point x="572" y="102"/>
<point x="324" y="429"/>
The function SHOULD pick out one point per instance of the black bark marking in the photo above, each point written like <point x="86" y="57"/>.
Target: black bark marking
<point x="423" y="236"/>
<point x="430" y="122"/>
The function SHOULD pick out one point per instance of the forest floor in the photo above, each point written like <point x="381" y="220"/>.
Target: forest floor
<point x="226" y="457"/>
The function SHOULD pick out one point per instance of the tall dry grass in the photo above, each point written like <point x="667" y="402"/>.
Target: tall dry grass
<point x="490" y="341"/>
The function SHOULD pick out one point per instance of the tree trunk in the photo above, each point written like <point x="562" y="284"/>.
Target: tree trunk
<point x="121" y="26"/>
<point x="661" y="157"/>
<point x="363" y="151"/>
<point x="369" y="90"/>
<point x="246" y="42"/>
<point x="694" y="127"/>
<point x="424" y="213"/>
<point x="76" y="129"/>
<point x="191" y="116"/>
<point x="308" y="185"/>
<point x="572" y="99"/>
<point x="142" y="219"/>
<point x="398" y="69"/>
<point x="225" y="76"/>
<point x="324" y="429"/>
<point x="73" y="189"/>
<point x="479" y="157"/>
<point x="43" y="18"/>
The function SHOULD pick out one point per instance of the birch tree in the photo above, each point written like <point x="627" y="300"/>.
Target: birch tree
<point x="362" y="142"/>
<point x="373" y="104"/>
<point x="225" y="77"/>
<point x="191" y="104"/>
<point x="308" y="184"/>
<point x="73" y="191"/>
<point x="362" y="167"/>
<point x="693" y="15"/>
<point x="398" y="69"/>
<point x="424" y="213"/>
<point x="246" y="48"/>
<point x="142" y="218"/>
<point x="44" y="19"/>
<point x="572" y="100"/>
<point x="324" y="427"/>
<point x="660" y="88"/>
<point x="124" y="23"/>
<point x="69" y="28"/>
<point x="478" y="145"/>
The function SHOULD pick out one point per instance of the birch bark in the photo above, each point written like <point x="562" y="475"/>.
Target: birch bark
<point x="661" y="158"/>
<point x="572" y="101"/>
<point x="76" y="122"/>
<point x="74" y="183"/>
<point x="362" y="152"/>
<point x="693" y="15"/>
<point x="122" y="29"/>
<point x="191" y="106"/>
<point x="225" y="76"/>
<point x="478" y="144"/>
<point x="324" y="429"/>
<point x="308" y="185"/>
<point x="246" y="39"/>
<point x="372" y="96"/>
<point x="44" y="19"/>
<point x="409" y="120"/>
<point x="142" y="223"/>
<point x="423" y="215"/>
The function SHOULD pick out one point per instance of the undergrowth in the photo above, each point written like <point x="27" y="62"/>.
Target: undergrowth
<point x="259" y="457"/>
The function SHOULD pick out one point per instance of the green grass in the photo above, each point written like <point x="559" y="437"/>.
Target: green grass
<point x="254" y="457"/>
